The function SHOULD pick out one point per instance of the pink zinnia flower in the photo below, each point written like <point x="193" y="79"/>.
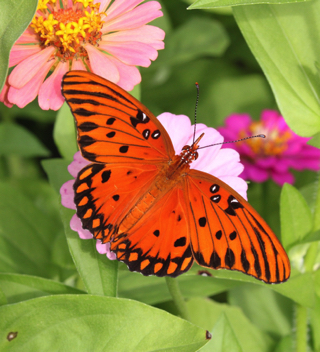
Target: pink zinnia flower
<point x="273" y="156"/>
<point x="222" y="163"/>
<point x="104" y="37"/>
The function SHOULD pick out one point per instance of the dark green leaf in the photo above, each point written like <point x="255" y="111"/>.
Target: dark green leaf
<point x="26" y="234"/>
<point x="16" y="140"/>
<point x="15" y="16"/>
<point x="197" y="37"/>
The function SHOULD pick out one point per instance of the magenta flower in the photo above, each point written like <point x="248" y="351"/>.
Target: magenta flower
<point x="104" y="37"/>
<point x="222" y="163"/>
<point x="273" y="156"/>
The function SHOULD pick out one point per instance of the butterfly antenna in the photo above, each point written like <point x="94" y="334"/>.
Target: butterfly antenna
<point x="195" y="113"/>
<point x="238" y="140"/>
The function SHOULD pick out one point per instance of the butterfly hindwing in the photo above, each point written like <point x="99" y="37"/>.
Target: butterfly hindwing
<point x="226" y="232"/>
<point x="112" y="125"/>
<point x="158" y="244"/>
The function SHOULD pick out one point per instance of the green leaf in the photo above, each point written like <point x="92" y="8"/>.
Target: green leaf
<point x="209" y="4"/>
<point x="153" y="290"/>
<point x="15" y="16"/>
<point x="64" y="133"/>
<point x="280" y="37"/>
<point x="228" y="325"/>
<point x="285" y="344"/>
<point x="275" y="311"/>
<point x="195" y="38"/>
<point x="57" y="172"/>
<point x="99" y="274"/>
<point x="296" y="217"/>
<point x="224" y="338"/>
<point x="19" y="288"/>
<point x="315" y="324"/>
<point x="93" y="323"/>
<point x="26" y="234"/>
<point x="16" y="140"/>
<point x="315" y="141"/>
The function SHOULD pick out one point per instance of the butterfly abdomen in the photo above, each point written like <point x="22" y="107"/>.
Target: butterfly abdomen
<point x="170" y="176"/>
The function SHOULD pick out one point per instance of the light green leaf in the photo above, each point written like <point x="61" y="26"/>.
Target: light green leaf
<point x="315" y="141"/>
<point x="280" y="37"/>
<point x="275" y="311"/>
<point x="99" y="274"/>
<point x="64" y="133"/>
<point x="228" y="325"/>
<point x="16" y="140"/>
<point x="57" y="172"/>
<point x="224" y="338"/>
<point x="15" y="16"/>
<point x="26" y="234"/>
<point x="94" y="323"/>
<point x="153" y="290"/>
<point x="209" y="4"/>
<point x="19" y="288"/>
<point x="296" y="217"/>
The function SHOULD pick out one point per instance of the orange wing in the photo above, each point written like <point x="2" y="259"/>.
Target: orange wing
<point x="226" y="232"/>
<point x="105" y="193"/>
<point x="113" y="127"/>
<point x="159" y="243"/>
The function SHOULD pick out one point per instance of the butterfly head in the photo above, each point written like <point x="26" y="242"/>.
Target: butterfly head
<point x="189" y="152"/>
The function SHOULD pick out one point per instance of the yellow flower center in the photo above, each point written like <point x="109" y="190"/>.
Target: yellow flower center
<point x="275" y="143"/>
<point x="68" y="28"/>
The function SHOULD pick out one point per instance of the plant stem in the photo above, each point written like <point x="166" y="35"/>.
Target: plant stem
<point x="177" y="297"/>
<point x="301" y="329"/>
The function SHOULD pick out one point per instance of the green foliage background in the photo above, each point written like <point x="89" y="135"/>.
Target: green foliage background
<point x="59" y="294"/>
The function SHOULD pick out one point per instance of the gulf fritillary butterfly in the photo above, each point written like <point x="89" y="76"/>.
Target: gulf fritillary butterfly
<point x="157" y="213"/>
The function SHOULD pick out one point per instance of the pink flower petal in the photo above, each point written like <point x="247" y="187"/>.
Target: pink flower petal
<point x="50" y="96"/>
<point x="78" y="65"/>
<point x="237" y="183"/>
<point x="76" y="225"/>
<point x="67" y="195"/>
<point x="19" y="53"/>
<point x="101" y="64"/>
<point x="137" y="17"/>
<point x="4" y="95"/>
<point x="129" y="75"/>
<point x="30" y="67"/>
<point x="119" y="7"/>
<point x="23" y="96"/>
<point x="78" y="163"/>
<point x="28" y="37"/>
<point x="104" y="248"/>
<point x="103" y="4"/>
<point x="131" y="53"/>
<point x="179" y="127"/>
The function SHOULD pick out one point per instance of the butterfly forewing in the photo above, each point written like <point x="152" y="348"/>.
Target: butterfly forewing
<point x="226" y="232"/>
<point x="112" y="125"/>
<point x="105" y="193"/>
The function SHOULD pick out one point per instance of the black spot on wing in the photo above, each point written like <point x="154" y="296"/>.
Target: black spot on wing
<point x="180" y="242"/>
<point x="124" y="149"/>
<point x="229" y="258"/>
<point x="105" y="176"/>
<point x="202" y="221"/>
<point x="87" y="126"/>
